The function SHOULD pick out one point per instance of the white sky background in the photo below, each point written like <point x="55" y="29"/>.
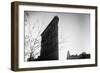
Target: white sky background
<point x="73" y="30"/>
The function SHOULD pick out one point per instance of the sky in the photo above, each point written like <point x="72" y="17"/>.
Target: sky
<point x="73" y="30"/>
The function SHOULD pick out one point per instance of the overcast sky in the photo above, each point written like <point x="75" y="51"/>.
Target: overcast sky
<point x="73" y="30"/>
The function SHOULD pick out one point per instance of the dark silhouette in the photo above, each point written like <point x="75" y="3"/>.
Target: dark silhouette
<point x="83" y="55"/>
<point x="49" y="42"/>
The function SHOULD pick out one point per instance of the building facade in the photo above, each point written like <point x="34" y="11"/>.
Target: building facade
<point x="49" y="41"/>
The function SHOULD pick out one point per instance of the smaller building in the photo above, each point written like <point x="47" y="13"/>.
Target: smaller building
<point x="83" y="55"/>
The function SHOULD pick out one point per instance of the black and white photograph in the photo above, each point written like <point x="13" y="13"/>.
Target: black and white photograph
<point x="50" y="36"/>
<point x="56" y="36"/>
